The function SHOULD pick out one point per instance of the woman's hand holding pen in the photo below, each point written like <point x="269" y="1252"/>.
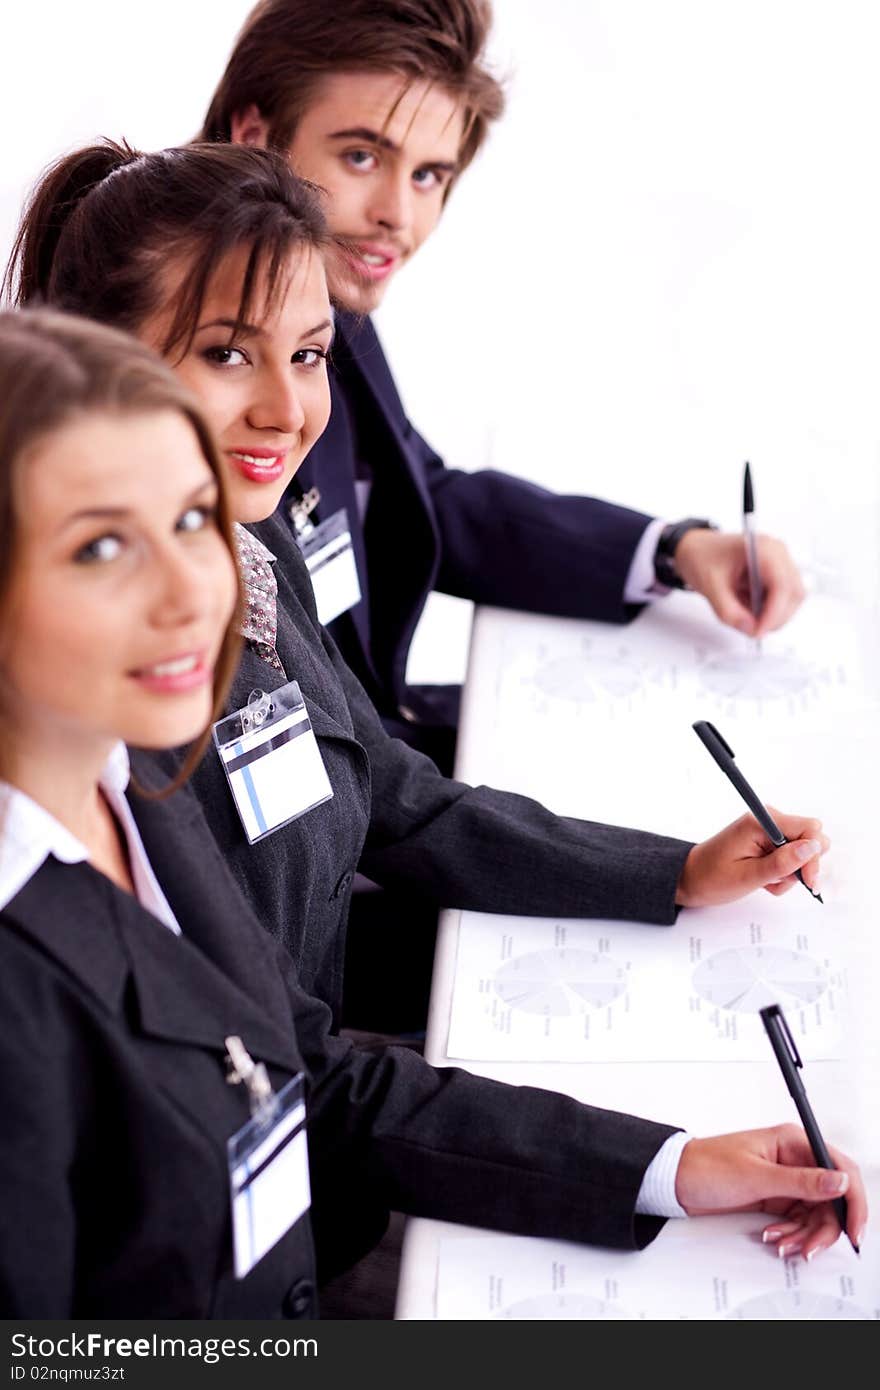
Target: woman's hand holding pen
<point x="742" y="858"/>
<point x="773" y="1170"/>
<point x="714" y="563"/>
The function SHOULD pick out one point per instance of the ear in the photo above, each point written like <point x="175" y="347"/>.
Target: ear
<point x="248" y="127"/>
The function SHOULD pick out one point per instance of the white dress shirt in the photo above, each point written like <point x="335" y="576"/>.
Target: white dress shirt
<point x="29" y="834"/>
<point x="642" y="585"/>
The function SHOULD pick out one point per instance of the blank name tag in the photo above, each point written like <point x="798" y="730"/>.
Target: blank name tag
<point x="272" y="761"/>
<point x="268" y="1176"/>
<point x="329" y="556"/>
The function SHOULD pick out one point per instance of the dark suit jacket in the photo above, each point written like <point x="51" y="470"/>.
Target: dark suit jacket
<point x="116" y="1110"/>
<point x="404" y="825"/>
<point x="483" y="536"/>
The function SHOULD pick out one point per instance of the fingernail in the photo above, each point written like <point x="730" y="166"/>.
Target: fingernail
<point x="860" y="1238"/>
<point x="782" y="1250"/>
<point x="806" y="849"/>
<point x="834" y="1183"/>
<point x="770" y="1235"/>
<point x="809" y="1255"/>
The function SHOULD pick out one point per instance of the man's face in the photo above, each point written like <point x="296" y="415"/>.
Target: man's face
<point x="385" y="153"/>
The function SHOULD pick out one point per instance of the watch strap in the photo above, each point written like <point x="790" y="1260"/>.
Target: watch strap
<point x="665" y="571"/>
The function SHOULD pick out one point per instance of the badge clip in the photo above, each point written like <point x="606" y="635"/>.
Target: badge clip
<point x="258" y="709"/>
<point x="242" y="1067"/>
<point x="301" y="510"/>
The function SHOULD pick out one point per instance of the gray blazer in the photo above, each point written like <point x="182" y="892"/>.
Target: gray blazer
<point x="403" y="824"/>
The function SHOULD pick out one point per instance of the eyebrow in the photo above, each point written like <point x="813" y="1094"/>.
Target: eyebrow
<point x="117" y="513"/>
<point x="252" y="330"/>
<point x="372" y="137"/>
<point x="248" y="330"/>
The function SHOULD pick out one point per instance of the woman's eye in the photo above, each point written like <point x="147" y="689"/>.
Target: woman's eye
<point x="360" y="159"/>
<point x="99" y="551"/>
<point x="225" y="356"/>
<point x="196" y="518"/>
<point x="309" y="357"/>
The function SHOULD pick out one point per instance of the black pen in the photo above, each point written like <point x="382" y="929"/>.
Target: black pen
<point x="756" y="587"/>
<point x="790" y="1063"/>
<point x="723" y="755"/>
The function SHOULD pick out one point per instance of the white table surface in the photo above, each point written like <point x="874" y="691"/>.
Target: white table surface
<point x="698" y="1096"/>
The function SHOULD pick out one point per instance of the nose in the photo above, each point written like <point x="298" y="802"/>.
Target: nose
<point x="186" y="586"/>
<point x="391" y="202"/>
<point x="276" y="404"/>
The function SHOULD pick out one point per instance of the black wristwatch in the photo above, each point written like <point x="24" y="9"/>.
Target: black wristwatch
<point x="664" y="556"/>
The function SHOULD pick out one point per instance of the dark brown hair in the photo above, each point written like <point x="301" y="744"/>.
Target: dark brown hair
<point x="103" y="223"/>
<point x="287" y="46"/>
<point x="53" y="368"/>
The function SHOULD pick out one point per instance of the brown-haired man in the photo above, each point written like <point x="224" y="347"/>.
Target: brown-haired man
<point x="384" y="103"/>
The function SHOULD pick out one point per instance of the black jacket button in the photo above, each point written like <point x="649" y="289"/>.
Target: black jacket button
<point x="299" y="1299"/>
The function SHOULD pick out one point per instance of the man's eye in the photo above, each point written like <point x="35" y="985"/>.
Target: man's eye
<point x="427" y="178"/>
<point x="99" y="551"/>
<point x="309" y="357"/>
<point x="360" y="159"/>
<point x="225" y="356"/>
<point x="196" y="518"/>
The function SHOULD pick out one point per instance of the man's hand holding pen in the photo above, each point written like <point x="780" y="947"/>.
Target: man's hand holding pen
<point x="715" y="564"/>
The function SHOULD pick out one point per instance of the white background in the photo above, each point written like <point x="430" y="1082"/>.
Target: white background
<point x="664" y="262"/>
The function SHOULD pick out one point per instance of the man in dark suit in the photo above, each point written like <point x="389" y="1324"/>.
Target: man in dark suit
<point x="384" y="104"/>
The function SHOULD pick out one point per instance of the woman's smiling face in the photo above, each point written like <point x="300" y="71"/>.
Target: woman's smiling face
<point x="265" y="389"/>
<point x="123" y="584"/>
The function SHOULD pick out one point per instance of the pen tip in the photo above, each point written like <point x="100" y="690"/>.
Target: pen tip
<point x="819" y="898"/>
<point x="748" y="493"/>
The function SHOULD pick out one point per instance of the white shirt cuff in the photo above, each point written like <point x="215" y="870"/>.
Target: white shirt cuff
<point x="657" y="1192"/>
<point x="641" y="583"/>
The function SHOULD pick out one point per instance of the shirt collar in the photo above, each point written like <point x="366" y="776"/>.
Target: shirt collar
<point x="29" y="833"/>
<point x="117" y="770"/>
<point x="249" y="544"/>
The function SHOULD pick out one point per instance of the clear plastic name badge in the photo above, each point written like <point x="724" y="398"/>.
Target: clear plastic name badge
<point x="329" y="555"/>
<point x="272" y="761"/>
<point x="268" y="1161"/>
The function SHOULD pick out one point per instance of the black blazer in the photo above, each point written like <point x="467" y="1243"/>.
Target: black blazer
<point x="484" y="536"/>
<point x="403" y="824"/>
<point x="116" y="1112"/>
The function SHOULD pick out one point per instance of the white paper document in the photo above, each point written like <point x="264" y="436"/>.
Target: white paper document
<point x="823" y="661"/>
<point x="537" y="989"/>
<point x="711" y="1268"/>
<point x="595" y="720"/>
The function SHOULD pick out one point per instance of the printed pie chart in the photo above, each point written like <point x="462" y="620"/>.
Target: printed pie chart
<point x="576" y="678"/>
<point x="796" y="1304"/>
<point x="562" y="1306"/>
<point x="560" y="981"/>
<point x="759" y="678"/>
<point x="748" y="978"/>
